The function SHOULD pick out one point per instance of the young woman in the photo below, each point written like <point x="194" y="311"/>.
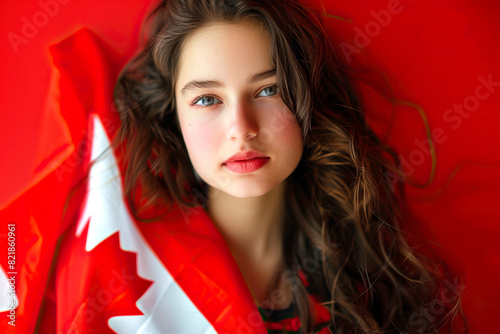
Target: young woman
<point x="243" y="104"/>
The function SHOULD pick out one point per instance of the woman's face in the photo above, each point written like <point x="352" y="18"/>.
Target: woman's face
<point x="228" y="103"/>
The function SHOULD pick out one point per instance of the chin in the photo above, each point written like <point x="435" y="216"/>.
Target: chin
<point x="247" y="189"/>
<point x="248" y="192"/>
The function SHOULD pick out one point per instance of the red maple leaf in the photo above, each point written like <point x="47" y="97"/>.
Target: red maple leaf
<point x="94" y="286"/>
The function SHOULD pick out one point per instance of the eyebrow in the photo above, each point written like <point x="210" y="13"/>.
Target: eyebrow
<point x="217" y="84"/>
<point x="262" y="76"/>
<point x="200" y="84"/>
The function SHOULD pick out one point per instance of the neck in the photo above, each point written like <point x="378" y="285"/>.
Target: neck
<point x="252" y="227"/>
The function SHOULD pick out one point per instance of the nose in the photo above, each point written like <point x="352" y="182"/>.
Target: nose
<point x="242" y="121"/>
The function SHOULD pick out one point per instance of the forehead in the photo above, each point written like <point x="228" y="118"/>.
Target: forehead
<point x="223" y="50"/>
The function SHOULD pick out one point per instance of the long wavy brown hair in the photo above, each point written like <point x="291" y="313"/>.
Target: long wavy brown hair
<point x="343" y="219"/>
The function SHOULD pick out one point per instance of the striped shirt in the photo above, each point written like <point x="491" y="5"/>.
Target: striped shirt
<point x="287" y="320"/>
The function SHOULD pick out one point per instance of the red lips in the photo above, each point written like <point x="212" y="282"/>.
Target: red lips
<point x="246" y="162"/>
<point x="241" y="156"/>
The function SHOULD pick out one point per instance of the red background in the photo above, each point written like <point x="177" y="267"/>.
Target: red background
<point x="426" y="59"/>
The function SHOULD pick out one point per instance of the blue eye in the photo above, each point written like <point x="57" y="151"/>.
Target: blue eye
<point x="269" y="91"/>
<point x="206" y="101"/>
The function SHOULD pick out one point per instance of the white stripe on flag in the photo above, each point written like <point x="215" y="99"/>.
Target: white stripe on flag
<point x="166" y="308"/>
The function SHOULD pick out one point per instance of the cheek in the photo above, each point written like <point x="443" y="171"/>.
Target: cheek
<point x="200" y="140"/>
<point x="292" y="140"/>
<point x="288" y="137"/>
<point x="284" y="128"/>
